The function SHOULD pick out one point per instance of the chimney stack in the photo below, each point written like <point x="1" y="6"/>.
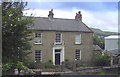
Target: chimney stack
<point x="78" y="16"/>
<point x="51" y="14"/>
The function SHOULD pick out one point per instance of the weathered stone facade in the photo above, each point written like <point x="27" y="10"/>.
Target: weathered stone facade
<point x="68" y="49"/>
<point x="68" y="42"/>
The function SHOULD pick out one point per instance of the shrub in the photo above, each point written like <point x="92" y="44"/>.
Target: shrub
<point x="32" y="65"/>
<point x="48" y="65"/>
<point x="8" y="68"/>
<point x="101" y="60"/>
<point x="69" y="65"/>
<point x="50" y="61"/>
<point x="20" y="66"/>
<point x="66" y="60"/>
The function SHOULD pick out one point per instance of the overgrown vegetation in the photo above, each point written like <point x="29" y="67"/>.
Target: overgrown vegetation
<point x="98" y="41"/>
<point x="15" y="35"/>
<point x="101" y="60"/>
<point x="8" y="68"/>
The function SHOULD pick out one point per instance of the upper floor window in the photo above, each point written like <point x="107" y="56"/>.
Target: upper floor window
<point x="77" y="54"/>
<point x="58" y="38"/>
<point x="38" y="38"/>
<point x="38" y="55"/>
<point x="77" y="38"/>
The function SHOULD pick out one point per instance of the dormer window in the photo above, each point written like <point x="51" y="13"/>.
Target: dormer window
<point x="38" y="38"/>
<point x="58" y="39"/>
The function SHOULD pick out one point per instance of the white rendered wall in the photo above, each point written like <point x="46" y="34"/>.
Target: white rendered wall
<point x="111" y="44"/>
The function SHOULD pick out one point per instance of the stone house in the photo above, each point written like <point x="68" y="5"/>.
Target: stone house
<point x="58" y="39"/>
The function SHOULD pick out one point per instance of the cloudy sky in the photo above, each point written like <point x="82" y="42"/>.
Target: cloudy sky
<point x="102" y="15"/>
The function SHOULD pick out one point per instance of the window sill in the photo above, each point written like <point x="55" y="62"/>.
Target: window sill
<point x="37" y="43"/>
<point x="57" y="43"/>
<point x="77" y="43"/>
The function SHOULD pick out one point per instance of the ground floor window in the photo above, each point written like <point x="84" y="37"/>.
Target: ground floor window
<point x="38" y="55"/>
<point x="77" y="54"/>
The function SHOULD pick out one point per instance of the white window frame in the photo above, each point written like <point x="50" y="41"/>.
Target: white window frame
<point x="38" y="38"/>
<point x="60" y="38"/>
<point x="77" y="55"/>
<point x="39" y="55"/>
<point x="78" y="40"/>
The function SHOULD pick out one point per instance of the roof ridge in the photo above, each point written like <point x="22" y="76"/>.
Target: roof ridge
<point x="55" y="18"/>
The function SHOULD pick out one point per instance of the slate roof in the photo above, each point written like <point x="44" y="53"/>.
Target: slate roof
<point x="114" y="52"/>
<point x="58" y="24"/>
<point x="96" y="47"/>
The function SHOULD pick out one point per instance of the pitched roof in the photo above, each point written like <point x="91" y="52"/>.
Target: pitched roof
<point x="113" y="52"/>
<point x="112" y="37"/>
<point x="58" y="24"/>
<point x="96" y="47"/>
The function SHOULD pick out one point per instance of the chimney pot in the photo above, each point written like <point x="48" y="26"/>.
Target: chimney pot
<point x="78" y="16"/>
<point x="51" y="14"/>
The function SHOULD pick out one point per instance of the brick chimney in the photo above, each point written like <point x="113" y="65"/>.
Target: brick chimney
<point x="51" y="14"/>
<point x="78" y="16"/>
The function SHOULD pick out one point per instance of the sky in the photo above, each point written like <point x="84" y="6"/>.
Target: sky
<point x="101" y="15"/>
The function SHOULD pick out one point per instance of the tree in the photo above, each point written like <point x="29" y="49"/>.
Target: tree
<point x="98" y="41"/>
<point x="15" y="36"/>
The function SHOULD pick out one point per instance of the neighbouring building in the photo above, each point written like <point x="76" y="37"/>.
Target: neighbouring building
<point x="97" y="49"/>
<point x="112" y="47"/>
<point x="58" y="39"/>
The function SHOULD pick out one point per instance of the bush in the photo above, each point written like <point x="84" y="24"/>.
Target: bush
<point x="66" y="60"/>
<point x="36" y="65"/>
<point x="48" y="65"/>
<point x="32" y="65"/>
<point x="50" y="61"/>
<point x="21" y="66"/>
<point x="8" y="68"/>
<point x="101" y="60"/>
<point x="83" y="65"/>
<point x="69" y="65"/>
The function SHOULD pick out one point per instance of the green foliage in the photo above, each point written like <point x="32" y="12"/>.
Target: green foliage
<point x="98" y="41"/>
<point x="35" y="65"/>
<point x="15" y="36"/>
<point x="101" y="60"/>
<point x="48" y="65"/>
<point x="69" y="65"/>
<point x="32" y="65"/>
<point x="20" y="65"/>
<point x="82" y="65"/>
<point x="50" y="60"/>
<point x="66" y="60"/>
<point x="8" y="68"/>
<point x="105" y="33"/>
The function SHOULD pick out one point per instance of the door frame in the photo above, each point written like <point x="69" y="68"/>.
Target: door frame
<point x="61" y="54"/>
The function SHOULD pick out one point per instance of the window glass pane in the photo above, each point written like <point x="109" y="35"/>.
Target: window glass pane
<point x="38" y="55"/>
<point x="38" y="37"/>
<point x="58" y="37"/>
<point x="77" y="54"/>
<point x="77" y="39"/>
